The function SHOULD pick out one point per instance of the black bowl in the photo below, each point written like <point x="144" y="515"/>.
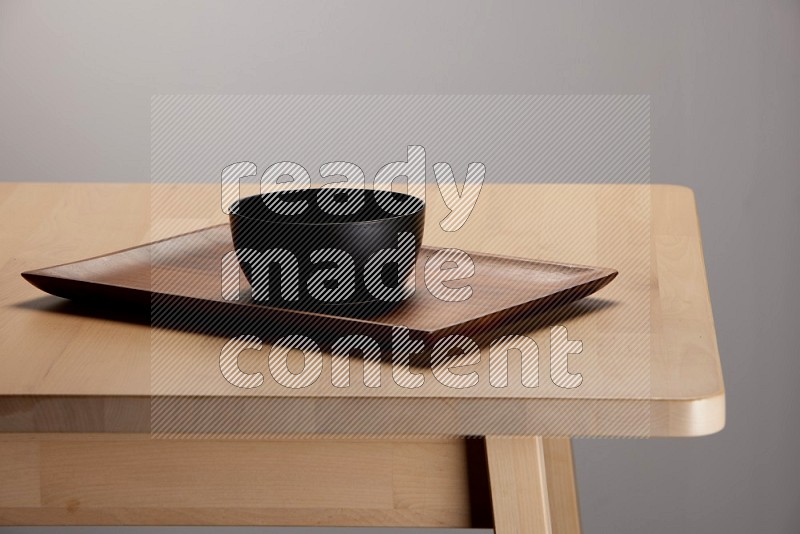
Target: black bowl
<point x="349" y="251"/>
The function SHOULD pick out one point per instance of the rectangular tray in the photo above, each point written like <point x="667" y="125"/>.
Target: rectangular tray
<point x="184" y="272"/>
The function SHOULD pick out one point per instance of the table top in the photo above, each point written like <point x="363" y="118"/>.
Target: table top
<point x="649" y="362"/>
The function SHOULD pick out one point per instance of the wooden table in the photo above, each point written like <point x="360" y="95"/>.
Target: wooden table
<point x="75" y="382"/>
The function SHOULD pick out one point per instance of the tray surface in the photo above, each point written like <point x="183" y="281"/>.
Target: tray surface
<point x="186" y="269"/>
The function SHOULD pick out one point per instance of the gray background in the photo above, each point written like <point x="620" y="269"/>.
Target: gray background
<point x="75" y="86"/>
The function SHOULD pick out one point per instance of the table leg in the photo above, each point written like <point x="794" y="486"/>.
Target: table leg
<point x="533" y="485"/>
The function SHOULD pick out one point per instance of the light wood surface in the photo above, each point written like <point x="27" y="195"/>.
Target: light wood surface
<point x="528" y="485"/>
<point x="562" y="491"/>
<point x="650" y="361"/>
<point x="533" y="485"/>
<point x="518" y="477"/>
<point x="650" y="367"/>
<point x="90" y="479"/>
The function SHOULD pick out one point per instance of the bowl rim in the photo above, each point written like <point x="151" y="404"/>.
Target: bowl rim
<point x="232" y="214"/>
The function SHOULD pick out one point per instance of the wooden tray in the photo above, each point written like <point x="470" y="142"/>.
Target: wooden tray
<point x="179" y="279"/>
